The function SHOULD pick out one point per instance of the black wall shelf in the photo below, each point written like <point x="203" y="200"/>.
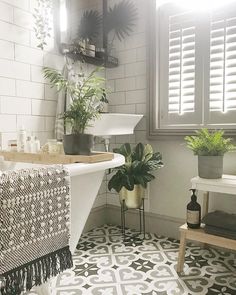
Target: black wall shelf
<point x="105" y="61"/>
<point x="74" y="53"/>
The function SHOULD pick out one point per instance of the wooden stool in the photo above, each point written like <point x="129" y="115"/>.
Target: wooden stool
<point x="200" y="236"/>
<point x="224" y="185"/>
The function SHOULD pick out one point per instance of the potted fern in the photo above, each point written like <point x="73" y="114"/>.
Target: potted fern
<point x="86" y="92"/>
<point x="130" y="180"/>
<point x="210" y="147"/>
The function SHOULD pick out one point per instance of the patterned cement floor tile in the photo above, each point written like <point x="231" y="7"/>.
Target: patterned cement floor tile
<point x="106" y="265"/>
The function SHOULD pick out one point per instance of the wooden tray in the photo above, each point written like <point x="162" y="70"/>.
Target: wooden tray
<point x="45" y="158"/>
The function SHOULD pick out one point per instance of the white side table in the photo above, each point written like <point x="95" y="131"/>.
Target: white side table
<point x="225" y="185"/>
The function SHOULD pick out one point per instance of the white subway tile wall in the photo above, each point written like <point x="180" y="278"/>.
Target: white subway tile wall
<point x="15" y="105"/>
<point x="6" y="12"/>
<point x="6" y="49"/>
<point x="25" y="97"/>
<point x="128" y="82"/>
<point x="128" y="91"/>
<point x="23" y="18"/>
<point x="23" y="4"/>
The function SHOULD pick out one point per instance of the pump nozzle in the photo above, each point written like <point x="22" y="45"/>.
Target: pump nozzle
<point x="193" y="197"/>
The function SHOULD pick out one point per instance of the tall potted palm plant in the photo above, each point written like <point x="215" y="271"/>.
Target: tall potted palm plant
<point x="86" y="92"/>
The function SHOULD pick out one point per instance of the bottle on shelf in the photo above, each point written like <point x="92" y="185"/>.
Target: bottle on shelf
<point x="21" y="139"/>
<point x="36" y="144"/>
<point x="193" y="212"/>
<point x="29" y="147"/>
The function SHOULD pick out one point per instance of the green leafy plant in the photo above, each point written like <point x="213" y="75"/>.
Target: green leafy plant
<point x="104" y="97"/>
<point x="209" y="143"/>
<point x="121" y="19"/>
<point x="86" y="93"/>
<point x="139" y="163"/>
<point x="90" y="25"/>
<point x="43" y="21"/>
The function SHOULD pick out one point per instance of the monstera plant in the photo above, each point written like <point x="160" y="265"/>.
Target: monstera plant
<point x="130" y="180"/>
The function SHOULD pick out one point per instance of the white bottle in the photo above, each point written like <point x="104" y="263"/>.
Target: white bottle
<point x="36" y="144"/>
<point x="33" y="144"/>
<point x="29" y="145"/>
<point x="21" y="139"/>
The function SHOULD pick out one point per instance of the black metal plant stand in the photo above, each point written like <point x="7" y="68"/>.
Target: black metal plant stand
<point x="141" y="219"/>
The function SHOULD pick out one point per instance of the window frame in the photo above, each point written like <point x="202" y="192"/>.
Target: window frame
<point x="153" y="82"/>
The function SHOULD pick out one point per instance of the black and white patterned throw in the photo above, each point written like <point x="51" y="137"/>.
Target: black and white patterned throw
<point x="34" y="226"/>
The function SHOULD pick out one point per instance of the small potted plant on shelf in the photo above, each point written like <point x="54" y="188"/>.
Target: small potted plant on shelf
<point x="88" y="31"/>
<point x="118" y="22"/>
<point x="86" y="92"/>
<point x="210" y="147"/>
<point x="130" y="180"/>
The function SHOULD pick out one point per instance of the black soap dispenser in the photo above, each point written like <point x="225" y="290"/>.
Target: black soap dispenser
<point x="193" y="212"/>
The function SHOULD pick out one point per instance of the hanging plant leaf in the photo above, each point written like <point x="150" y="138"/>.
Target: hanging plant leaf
<point x="90" y="25"/>
<point x="43" y="22"/>
<point x="121" y="19"/>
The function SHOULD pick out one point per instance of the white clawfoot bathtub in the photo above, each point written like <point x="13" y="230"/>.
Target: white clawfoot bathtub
<point x="85" y="183"/>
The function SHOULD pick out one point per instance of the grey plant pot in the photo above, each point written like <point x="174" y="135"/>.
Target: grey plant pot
<point x="78" y="144"/>
<point x="210" y="167"/>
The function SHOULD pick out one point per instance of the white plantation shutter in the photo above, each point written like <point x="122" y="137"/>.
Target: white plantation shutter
<point x="222" y="68"/>
<point x="180" y="106"/>
<point x="181" y="86"/>
<point x="196" y="69"/>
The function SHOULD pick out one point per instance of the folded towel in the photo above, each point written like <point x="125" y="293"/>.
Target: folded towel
<point x="34" y="226"/>
<point x="221" y="219"/>
<point x="220" y="232"/>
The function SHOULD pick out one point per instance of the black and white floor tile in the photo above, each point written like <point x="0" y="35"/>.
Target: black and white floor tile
<point x="104" y="265"/>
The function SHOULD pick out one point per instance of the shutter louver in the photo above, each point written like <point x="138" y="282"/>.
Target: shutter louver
<point x="197" y="69"/>
<point x="181" y="83"/>
<point x="222" y="90"/>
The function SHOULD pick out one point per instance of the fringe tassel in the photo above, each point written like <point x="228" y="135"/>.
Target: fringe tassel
<point x="36" y="272"/>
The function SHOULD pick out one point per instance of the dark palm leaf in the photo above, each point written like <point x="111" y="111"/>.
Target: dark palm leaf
<point x="90" y="25"/>
<point x="121" y="18"/>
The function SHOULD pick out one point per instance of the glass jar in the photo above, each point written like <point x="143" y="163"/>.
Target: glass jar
<point x="60" y="148"/>
<point x="52" y="146"/>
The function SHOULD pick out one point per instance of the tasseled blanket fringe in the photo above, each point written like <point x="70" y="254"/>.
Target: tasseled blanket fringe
<point x="36" y="272"/>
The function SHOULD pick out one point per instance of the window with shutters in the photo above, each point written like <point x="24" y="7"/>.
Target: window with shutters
<point x="195" y="70"/>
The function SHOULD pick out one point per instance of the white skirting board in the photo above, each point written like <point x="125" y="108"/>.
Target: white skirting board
<point x="155" y="223"/>
<point x="97" y="217"/>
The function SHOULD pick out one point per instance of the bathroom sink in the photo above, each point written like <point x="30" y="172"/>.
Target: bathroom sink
<point x="114" y="124"/>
